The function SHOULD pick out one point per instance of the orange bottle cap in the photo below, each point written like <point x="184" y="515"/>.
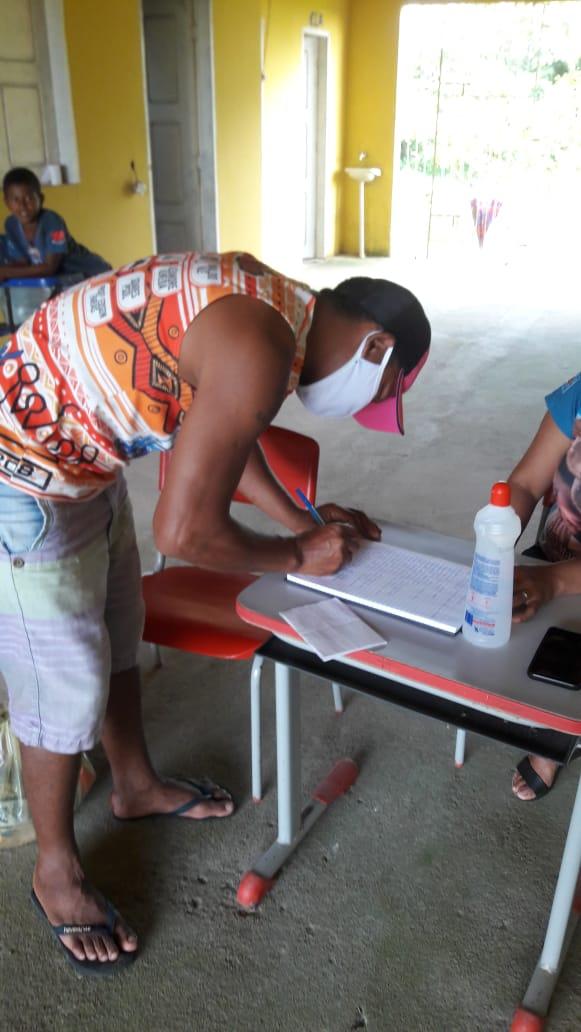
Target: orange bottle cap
<point x="500" y="493"/>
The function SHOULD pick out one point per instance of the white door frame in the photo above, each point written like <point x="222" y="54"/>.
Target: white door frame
<point x="205" y="92"/>
<point x="203" y="44"/>
<point x="321" y="157"/>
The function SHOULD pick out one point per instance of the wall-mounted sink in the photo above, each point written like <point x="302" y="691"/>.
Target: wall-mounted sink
<point x="362" y="175"/>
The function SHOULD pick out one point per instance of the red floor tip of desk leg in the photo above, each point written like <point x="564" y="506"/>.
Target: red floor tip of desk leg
<point x="526" y="1021"/>
<point x="257" y="799"/>
<point x="343" y="775"/>
<point x="459" y="766"/>
<point x="252" y="889"/>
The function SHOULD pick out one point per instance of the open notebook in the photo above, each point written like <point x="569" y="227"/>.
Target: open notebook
<point x="407" y="584"/>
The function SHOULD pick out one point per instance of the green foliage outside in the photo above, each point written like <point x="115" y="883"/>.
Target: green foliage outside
<point x="488" y="107"/>
<point x="507" y="81"/>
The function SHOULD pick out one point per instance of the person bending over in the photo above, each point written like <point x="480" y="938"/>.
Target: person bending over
<point x="191" y="352"/>
<point x="553" y="458"/>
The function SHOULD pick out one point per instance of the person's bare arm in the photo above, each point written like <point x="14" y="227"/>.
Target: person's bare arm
<point x="533" y="475"/>
<point x="49" y="267"/>
<point x="262" y="488"/>
<point x="534" y="586"/>
<point x="238" y="358"/>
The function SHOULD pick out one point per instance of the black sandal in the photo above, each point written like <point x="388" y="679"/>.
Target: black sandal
<point x="96" y="968"/>
<point x="534" y="780"/>
<point x="204" y="793"/>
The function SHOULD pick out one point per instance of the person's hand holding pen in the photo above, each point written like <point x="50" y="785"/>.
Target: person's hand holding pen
<point x="332" y="513"/>
<point x="335" y="540"/>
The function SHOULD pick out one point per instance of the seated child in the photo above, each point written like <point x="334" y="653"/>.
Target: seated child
<point x="37" y="241"/>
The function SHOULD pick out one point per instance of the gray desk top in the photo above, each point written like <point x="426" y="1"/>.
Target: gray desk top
<point x="491" y="679"/>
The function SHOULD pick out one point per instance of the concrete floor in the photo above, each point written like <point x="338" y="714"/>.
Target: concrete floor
<point x="419" y="902"/>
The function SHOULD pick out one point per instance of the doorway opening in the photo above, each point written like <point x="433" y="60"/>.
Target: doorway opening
<point x="487" y="148"/>
<point x="178" y="61"/>
<point x="315" y="49"/>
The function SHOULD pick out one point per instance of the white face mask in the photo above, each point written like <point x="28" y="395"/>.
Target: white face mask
<point x="347" y="390"/>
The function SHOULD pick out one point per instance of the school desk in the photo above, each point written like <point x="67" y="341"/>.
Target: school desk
<point x="486" y="691"/>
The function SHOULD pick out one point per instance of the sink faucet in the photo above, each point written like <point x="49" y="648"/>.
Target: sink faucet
<point x="362" y="155"/>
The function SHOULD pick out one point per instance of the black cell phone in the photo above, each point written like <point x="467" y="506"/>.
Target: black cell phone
<point x="558" y="659"/>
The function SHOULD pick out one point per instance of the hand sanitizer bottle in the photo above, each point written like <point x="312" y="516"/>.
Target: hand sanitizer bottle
<point x="488" y="616"/>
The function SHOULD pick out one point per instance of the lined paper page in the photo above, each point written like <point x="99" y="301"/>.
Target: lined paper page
<point x="398" y="581"/>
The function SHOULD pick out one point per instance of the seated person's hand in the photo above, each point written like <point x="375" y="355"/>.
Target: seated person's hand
<point x="534" y="586"/>
<point x="332" y="513"/>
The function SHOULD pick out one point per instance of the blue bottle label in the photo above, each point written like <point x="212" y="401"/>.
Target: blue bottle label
<point x="481" y="603"/>
<point x="485" y="575"/>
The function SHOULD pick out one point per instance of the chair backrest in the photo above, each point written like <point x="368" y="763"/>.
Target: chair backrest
<point x="292" y="457"/>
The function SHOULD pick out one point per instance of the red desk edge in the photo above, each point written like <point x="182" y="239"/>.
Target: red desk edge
<point x="530" y="714"/>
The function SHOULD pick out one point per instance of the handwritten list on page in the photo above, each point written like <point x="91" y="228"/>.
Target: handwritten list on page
<point x="411" y="585"/>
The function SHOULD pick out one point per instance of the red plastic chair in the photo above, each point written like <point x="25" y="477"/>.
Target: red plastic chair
<point x="194" y="610"/>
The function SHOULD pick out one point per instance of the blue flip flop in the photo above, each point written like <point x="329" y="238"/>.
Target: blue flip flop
<point x="93" y="968"/>
<point x="204" y="790"/>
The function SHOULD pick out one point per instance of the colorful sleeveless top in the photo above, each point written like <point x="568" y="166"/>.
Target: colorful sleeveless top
<point x="91" y="380"/>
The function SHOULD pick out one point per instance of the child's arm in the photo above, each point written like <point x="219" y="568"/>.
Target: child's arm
<point x="24" y="270"/>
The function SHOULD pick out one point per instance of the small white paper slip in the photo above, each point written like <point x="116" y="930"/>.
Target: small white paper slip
<point x="332" y="629"/>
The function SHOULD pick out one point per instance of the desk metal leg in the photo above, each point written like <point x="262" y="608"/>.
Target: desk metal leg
<point x="256" y="727"/>
<point x="338" y="698"/>
<point x="565" y="911"/>
<point x="460" y="748"/>
<point x="288" y="753"/>
<point x="292" y="824"/>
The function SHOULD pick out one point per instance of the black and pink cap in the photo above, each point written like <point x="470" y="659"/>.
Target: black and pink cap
<point x="400" y="313"/>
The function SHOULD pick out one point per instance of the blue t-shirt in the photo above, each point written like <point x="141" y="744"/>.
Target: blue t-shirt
<point x="561" y="537"/>
<point x="51" y="237"/>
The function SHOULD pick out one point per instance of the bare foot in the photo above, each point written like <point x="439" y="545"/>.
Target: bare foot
<point x="546" y="770"/>
<point x="168" y="796"/>
<point x="68" y="899"/>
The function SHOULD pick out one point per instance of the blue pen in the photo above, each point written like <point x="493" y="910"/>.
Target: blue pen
<point x="4" y="355"/>
<point x="309" y="507"/>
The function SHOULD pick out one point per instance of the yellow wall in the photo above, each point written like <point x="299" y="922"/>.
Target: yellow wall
<point x="260" y="129"/>
<point x="284" y="125"/>
<point x="370" y="118"/>
<point x="236" y="32"/>
<point x="259" y="125"/>
<point x="104" y="49"/>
